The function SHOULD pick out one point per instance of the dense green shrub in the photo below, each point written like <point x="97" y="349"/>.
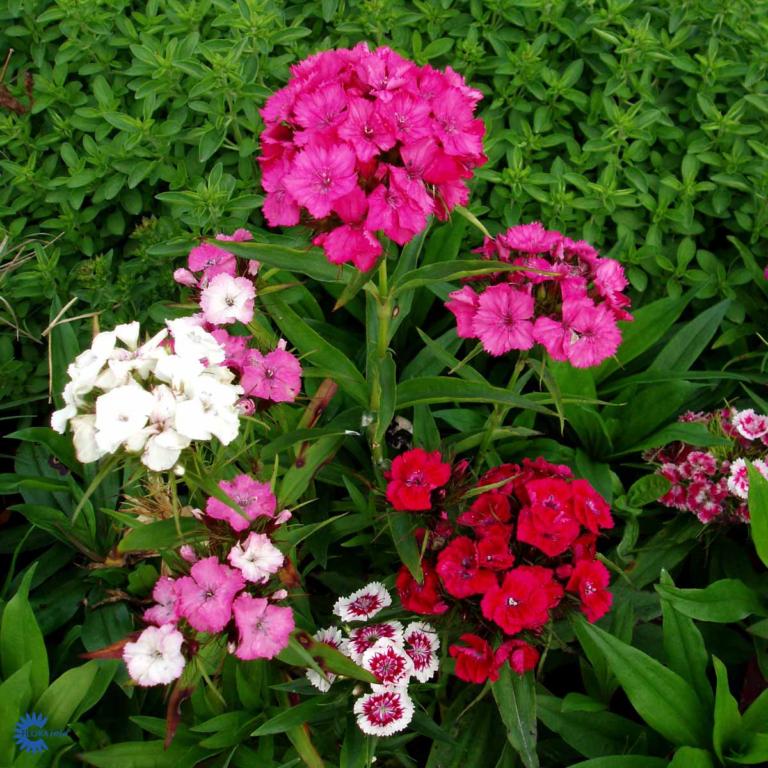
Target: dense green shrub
<point x="639" y="124"/>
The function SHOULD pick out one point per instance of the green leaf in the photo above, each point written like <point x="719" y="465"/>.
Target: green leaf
<point x="15" y="700"/>
<point x="684" y="647"/>
<point x="753" y="752"/>
<point x="647" y="489"/>
<point x="516" y="699"/>
<point x="62" y="699"/>
<point x="162" y="534"/>
<point x="305" y="712"/>
<point x="297" y="478"/>
<point x="442" y="389"/>
<point x="387" y="374"/>
<point x="682" y="350"/>
<point x="402" y="527"/>
<point x="727" y="718"/>
<point x="317" y="350"/>
<point x="661" y="697"/>
<point x="756" y="716"/>
<point x="622" y="761"/>
<point x="724" y="601"/>
<point x="691" y="757"/>
<point x="21" y="640"/>
<point x="147" y="754"/>
<point x="758" y="512"/>
<point x="337" y="662"/>
<point x="310" y="262"/>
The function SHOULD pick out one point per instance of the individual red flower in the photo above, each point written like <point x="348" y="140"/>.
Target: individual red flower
<point x="548" y="522"/>
<point x="585" y="547"/>
<point x="523" y="600"/>
<point x="488" y="508"/>
<point x="421" y="598"/>
<point x="460" y="571"/>
<point x="475" y="660"/>
<point x="589" y="581"/>
<point x="521" y="656"/>
<point x="413" y="477"/>
<point x="493" y="548"/>
<point x="589" y="507"/>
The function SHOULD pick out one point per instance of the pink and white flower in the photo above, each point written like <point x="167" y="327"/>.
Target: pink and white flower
<point x="363" y="604"/>
<point x="388" y="662"/>
<point x="257" y="558"/>
<point x="227" y="299"/>
<point x="750" y="425"/>
<point x="155" y="658"/>
<point x="365" y="637"/>
<point x="384" y="711"/>
<point x="330" y="636"/>
<point x="422" y="645"/>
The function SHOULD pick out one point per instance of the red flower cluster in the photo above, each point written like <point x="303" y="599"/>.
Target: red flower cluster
<point x="363" y="141"/>
<point x="518" y="549"/>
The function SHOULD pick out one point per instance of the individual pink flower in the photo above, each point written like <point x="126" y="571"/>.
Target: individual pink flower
<point x="422" y="644"/>
<point x="394" y="209"/>
<point x="275" y="376"/>
<point x="366" y="130"/>
<point x="388" y="662"/>
<point x="263" y="629"/>
<point x="205" y="596"/>
<point x="463" y="303"/>
<point x="211" y="260"/>
<point x="591" y="333"/>
<point x="280" y="207"/>
<point x="530" y="238"/>
<point x="705" y="500"/>
<point x="698" y="465"/>
<point x="384" y="711"/>
<point x="457" y="129"/>
<point x="257" y="558"/>
<point x="227" y="299"/>
<point x="165" y="609"/>
<point x="364" y="603"/>
<point x="255" y="499"/>
<point x="321" y="176"/>
<point x="503" y="319"/>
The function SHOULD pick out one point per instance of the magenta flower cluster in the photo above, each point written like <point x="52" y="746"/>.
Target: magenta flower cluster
<point x="564" y="296"/>
<point x="363" y="141"/>
<point x="226" y="296"/>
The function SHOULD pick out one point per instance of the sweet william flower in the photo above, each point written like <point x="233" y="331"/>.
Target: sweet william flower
<point x="422" y="644"/>
<point x="205" y="596"/>
<point x="522" y="656"/>
<point x="503" y="319"/>
<point x="384" y="711"/>
<point x="475" y="659"/>
<point x="257" y="558"/>
<point x="227" y="299"/>
<point x="412" y="478"/>
<point x="459" y="569"/>
<point x="364" y="603"/>
<point x="255" y="498"/>
<point x="547" y="523"/>
<point x="263" y="629"/>
<point x="365" y="637"/>
<point x="388" y="662"/>
<point x="423" y="598"/>
<point x="523" y="600"/>
<point x="155" y="658"/>
<point x="275" y="376"/>
<point x="165" y="609"/>
<point x="589" y="581"/>
<point x="330" y="636"/>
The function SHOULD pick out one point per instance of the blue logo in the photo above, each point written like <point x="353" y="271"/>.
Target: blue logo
<point x="30" y="733"/>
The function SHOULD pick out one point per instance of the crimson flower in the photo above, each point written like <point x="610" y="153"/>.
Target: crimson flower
<point x="413" y="477"/>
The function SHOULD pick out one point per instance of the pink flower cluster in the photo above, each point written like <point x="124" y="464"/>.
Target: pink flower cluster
<point x="714" y="484"/>
<point x="226" y="296"/>
<point x="391" y="653"/>
<point x="363" y="141"/>
<point x="564" y="297"/>
<point x="215" y="597"/>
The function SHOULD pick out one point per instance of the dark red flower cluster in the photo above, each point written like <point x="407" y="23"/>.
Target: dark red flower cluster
<point x="523" y="550"/>
<point x="363" y="141"/>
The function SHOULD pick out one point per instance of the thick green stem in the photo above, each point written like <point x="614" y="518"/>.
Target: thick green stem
<point x="383" y="316"/>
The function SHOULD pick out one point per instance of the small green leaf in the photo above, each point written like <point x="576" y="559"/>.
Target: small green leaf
<point x="402" y="527"/>
<point x="516" y="699"/>
<point x="758" y="512"/>
<point x="727" y="724"/>
<point x="724" y="601"/>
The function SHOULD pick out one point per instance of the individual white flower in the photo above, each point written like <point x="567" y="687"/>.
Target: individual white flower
<point x="162" y="450"/>
<point x="330" y="636"/>
<point x="190" y="340"/>
<point x="60" y="418"/>
<point x="128" y="333"/>
<point x="155" y="658"/>
<point x="120" y="413"/>
<point x="256" y="557"/>
<point x="210" y="411"/>
<point x="384" y="711"/>
<point x="363" y="604"/>
<point x="84" y="438"/>
<point x="227" y="299"/>
<point x="180" y="372"/>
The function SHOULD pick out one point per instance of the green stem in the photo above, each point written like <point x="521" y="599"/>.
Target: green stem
<point x="499" y="414"/>
<point x="383" y="316"/>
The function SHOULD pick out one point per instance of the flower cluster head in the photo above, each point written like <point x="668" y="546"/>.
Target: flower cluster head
<point x="151" y="399"/>
<point x="392" y="654"/>
<point x="510" y="559"/>
<point x="363" y="141"/>
<point x="714" y="484"/>
<point x="226" y="291"/>
<point x="231" y="591"/>
<point x="564" y="296"/>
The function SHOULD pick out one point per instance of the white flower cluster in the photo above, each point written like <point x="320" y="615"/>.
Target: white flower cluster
<point x="151" y="399"/>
